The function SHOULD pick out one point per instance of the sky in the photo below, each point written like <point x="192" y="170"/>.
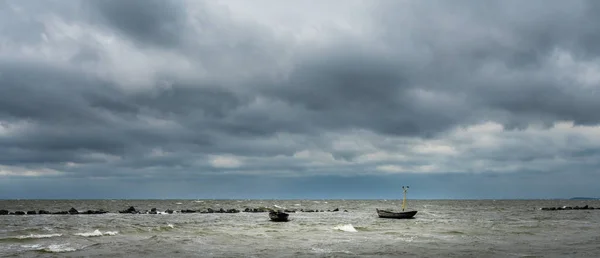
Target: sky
<point x="299" y="99"/>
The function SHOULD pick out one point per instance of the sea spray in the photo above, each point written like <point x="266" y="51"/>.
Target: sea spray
<point x="37" y="236"/>
<point x="58" y="248"/>
<point x="346" y="228"/>
<point x="97" y="233"/>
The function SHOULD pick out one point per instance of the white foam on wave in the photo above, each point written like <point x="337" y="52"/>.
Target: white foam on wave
<point x="35" y="236"/>
<point x="97" y="233"/>
<point x="170" y="225"/>
<point x="277" y="206"/>
<point x="320" y="250"/>
<point x="36" y="246"/>
<point x="346" y="228"/>
<point x="198" y="201"/>
<point x="327" y="251"/>
<point x="407" y="239"/>
<point x="428" y="213"/>
<point x="58" y="249"/>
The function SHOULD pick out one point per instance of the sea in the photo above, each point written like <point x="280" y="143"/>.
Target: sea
<point x="441" y="228"/>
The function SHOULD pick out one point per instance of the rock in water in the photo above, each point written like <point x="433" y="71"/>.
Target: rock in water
<point x="130" y="210"/>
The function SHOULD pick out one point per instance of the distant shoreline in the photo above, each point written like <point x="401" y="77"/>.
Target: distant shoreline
<point x="300" y="199"/>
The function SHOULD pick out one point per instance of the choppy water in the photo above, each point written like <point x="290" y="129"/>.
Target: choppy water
<point x="485" y="228"/>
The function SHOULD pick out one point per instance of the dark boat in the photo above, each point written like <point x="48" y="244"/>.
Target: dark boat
<point x="278" y="216"/>
<point x="396" y="215"/>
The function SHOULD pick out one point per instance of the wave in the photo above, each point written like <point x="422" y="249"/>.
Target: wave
<point x="362" y="229"/>
<point x="345" y="228"/>
<point x="57" y="249"/>
<point x="35" y="236"/>
<point x="164" y="212"/>
<point x="429" y="213"/>
<point x="163" y="227"/>
<point x="30" y="236"/>
<point x="327" y="251"/>
<point x="97" y="233"/>
<point x="36" y="246"/>
<point x="321" y="250"/>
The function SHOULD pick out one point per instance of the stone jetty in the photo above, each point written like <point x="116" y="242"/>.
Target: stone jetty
<point x="568" y="208"/>
<point x="133" y="210"/>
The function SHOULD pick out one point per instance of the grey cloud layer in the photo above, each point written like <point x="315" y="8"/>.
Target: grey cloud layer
<point x="147" y="22"/>
<point x="423" y="69"/>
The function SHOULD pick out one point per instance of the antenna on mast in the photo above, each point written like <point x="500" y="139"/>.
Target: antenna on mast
<point x="404" y="189"/>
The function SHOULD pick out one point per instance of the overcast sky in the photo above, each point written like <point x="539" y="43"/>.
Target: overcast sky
<point x="299" y="99"/>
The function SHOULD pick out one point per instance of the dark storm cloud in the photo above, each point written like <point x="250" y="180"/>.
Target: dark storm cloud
<point x="44" y="93"/>
<point x="160" y="22"/>
<point x="500" y="54"/>
<point x="182" y="99"/>
<point x="186" y="88"/>
<point x="64" y="112"/>
<point x="349" y="87"/>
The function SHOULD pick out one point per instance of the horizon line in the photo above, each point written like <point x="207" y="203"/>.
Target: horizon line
<point x="302" y="199"/>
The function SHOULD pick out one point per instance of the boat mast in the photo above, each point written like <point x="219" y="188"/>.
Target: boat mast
<point x="404" y="189"/>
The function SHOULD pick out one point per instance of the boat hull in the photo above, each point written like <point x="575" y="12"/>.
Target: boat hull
<point x="396" y="215"/>
<point x="278" y="216"/>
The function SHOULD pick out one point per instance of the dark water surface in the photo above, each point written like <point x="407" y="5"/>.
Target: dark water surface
<point x="464" y="228"/>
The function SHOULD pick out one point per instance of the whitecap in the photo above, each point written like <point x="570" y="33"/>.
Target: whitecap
<point x="36" y="246"/>
<point x="320" y="250"/>
<point x="58" y="249"/>
<point x="170" y="225"/>
<point x="327" y="251"/>
<point x="34" y="236"/>
<point x="346" y="228"/>
<point x="407" y="239"/>
<point x="97" y="233"/>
